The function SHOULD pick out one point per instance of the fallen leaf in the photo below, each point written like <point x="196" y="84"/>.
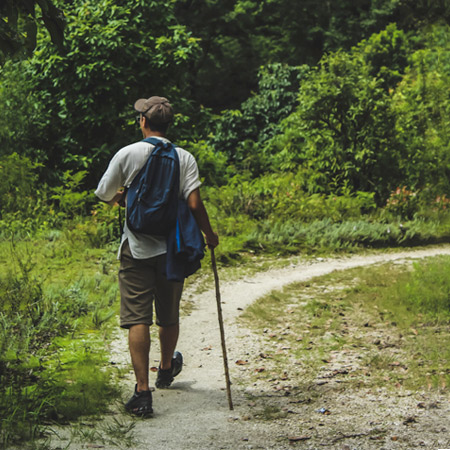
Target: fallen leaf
<point x="414" y="331"/>
<point x="241" y="362"/>
<point x="207" y="348"/>
<point x="260" y="369"/>
<point x="394" y="438"/>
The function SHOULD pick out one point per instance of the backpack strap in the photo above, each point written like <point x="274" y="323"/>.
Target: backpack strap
<point x="156" y="141"/>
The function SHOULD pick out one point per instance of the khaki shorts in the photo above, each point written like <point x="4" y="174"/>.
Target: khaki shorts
<point x="141" y="282"/>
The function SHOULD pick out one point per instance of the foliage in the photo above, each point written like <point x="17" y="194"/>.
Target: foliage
<point x="70" y="201"/>
<point x="212" y="163"/>
<point x="423" y="110"/>
<point x="386" y="54"/>
<point x="18" y="28"/>
<point x="17" y="184"/>
<point x="84" y="106"/>
<point x="48" y="363"/>
<point x="341" y="131"/>
<point x="402" y="203"/>
<point x="281" y="197"/>
<point x="240" y="36"/>
<point x="259" y="116"/>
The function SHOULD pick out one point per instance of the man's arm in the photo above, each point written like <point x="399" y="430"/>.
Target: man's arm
<point x="198" y="209"/>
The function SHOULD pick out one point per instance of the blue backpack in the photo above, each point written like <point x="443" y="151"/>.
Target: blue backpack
<point x="152" y="198"/>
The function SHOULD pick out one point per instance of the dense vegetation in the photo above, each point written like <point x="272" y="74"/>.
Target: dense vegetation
<point x="316" y="126"/>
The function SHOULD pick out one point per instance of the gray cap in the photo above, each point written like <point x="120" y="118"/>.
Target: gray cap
<point x="156" y="109"/>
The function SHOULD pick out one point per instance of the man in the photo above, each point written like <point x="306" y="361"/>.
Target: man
<point x="142" y="257"/>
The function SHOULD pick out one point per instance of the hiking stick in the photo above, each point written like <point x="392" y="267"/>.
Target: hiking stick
<point x="222" y="331"/>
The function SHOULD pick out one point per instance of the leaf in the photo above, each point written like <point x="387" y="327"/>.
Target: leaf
<point x="241" y="362"/>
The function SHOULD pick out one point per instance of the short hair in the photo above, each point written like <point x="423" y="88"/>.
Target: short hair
<point x="161" y="127"/>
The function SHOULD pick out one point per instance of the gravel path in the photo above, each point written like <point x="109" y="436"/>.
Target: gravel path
<point x="194" y="413"/>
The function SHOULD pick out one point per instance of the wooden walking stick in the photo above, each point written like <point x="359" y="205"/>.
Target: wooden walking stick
<point x="222" y="331"/>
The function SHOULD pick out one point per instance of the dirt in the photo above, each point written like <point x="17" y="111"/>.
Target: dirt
<point x="194" y="413"/>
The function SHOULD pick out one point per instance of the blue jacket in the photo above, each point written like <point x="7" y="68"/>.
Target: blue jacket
<point x="185" y="245"/>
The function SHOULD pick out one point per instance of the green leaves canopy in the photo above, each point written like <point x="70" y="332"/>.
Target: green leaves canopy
<point x="81" y="100"/>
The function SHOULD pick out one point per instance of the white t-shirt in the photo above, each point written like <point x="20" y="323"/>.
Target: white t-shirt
<point x="124" y="166"/>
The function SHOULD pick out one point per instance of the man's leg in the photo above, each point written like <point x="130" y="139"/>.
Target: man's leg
<point x="168" y="337"/>
<point x="139" y="343"/>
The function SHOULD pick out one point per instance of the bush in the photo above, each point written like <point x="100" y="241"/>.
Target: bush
<point x="422" y="108"/>
<point x="240" y="134"/>
<point x="341" y="131"/>
<point x="282" y="197"/>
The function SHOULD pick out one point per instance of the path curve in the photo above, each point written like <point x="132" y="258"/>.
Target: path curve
<point x="194" y="413"/>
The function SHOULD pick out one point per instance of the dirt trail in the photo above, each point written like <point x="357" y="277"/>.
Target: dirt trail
<point x="194" y="413"/>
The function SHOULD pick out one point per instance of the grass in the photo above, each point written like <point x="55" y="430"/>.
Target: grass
<point x="59" y="303"/>
<point x="57" y="308"/>
<point x="387" y="325"/>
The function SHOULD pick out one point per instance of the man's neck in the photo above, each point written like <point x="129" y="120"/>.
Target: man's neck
<point x="150" y="133"/>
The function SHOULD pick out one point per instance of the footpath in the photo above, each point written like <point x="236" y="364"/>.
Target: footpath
<point x="194" y="413"/>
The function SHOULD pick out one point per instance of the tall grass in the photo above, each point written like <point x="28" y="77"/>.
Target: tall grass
<point x="52" y="358"/>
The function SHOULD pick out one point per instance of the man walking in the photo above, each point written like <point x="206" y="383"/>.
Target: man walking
<point x="142" y="257"/>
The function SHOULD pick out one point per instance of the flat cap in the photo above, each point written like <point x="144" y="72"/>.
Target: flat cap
<point x="156" y="109"/>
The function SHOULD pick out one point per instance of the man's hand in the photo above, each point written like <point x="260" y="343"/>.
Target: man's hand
<point x="118" y="199"/>
<point x="212" y="240"/>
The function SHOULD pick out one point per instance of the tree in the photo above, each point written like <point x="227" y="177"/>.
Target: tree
<point x="19" y="25"/>
<point x="422" y="108"/>
<point x="341" y="132"/>
<point x="78" y="104"/>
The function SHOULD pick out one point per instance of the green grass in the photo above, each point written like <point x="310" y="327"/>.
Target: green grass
<point x="391" y="321"/>
<point x="58" y="305"/>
